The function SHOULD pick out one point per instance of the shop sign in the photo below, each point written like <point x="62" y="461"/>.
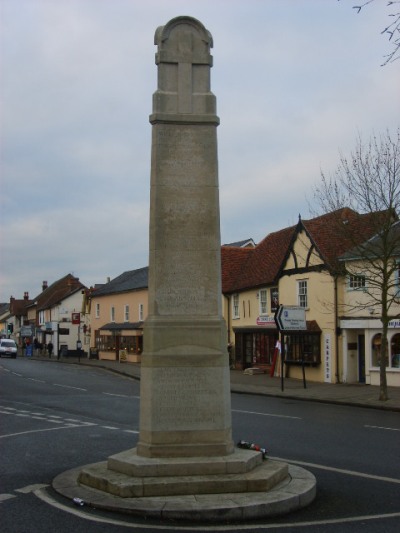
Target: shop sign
<point x="76" y="318"/>
<point x="26" y="331"/>
<point x="290" y="318"/>
<point x="265" y="320"/>
<point x="327" y="358"/>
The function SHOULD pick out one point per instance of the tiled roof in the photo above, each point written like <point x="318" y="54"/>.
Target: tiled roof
<point x="244" y="268"/>
<point x="326" y="232"/>
<point x="376" y="247"/>
<point x="128" y="281"/>
<point x="58" y="291"/>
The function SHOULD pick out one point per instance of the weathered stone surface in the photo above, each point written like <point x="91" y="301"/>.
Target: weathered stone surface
<point x="185" y="391"/>
<point x="260" y="479"/>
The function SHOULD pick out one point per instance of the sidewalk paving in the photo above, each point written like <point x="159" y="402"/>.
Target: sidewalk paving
<point x="345" y="394"/>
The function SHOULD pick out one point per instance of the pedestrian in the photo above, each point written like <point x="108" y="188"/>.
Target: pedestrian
<point x="50" y="348"/>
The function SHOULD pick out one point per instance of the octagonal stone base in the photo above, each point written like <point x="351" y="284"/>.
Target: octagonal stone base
<point x="236" y="487"/>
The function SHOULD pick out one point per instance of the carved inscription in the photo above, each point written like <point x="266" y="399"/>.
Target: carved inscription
<point x="186" y="156"/>
<point x="185" y="399"/>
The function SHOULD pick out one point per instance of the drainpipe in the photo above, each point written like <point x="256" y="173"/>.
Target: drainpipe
<point x="337" y="331"/>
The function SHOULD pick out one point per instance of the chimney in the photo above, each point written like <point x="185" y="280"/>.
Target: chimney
<point x="26" y="295"/>
<point x="44" y="285"/>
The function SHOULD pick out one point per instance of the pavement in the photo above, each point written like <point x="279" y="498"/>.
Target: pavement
<point x="355" y="394"/>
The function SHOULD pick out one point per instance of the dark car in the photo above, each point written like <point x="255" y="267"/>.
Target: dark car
<point x="8" y="347"/>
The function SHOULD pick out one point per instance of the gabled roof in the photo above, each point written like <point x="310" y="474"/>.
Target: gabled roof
<point x="4" y="308"/>
<point x="128" y="281"/>
<point x="375" y="247"/>
<point x="244" y="268"/>
<point x="19" y="307"/>
<point x="58" y="291"/>
<point x="331" y="242"/>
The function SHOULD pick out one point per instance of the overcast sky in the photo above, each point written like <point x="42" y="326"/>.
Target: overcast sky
<point x="296" y="81"/>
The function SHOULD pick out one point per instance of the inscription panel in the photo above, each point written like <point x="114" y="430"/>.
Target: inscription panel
<point x="186" y="156"/>
<point x="187" y="399"/>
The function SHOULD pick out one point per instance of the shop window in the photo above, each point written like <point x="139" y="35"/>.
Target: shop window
<point x="132" y="344"/>
<point x="106" y="343"/>
<point x="303" y="347"/>
<point x="377" y="350"/>
<point x="395" y="351"/>
<point x="397" y="280"/>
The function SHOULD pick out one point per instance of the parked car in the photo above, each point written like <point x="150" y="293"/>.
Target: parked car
<point x="8" y="347"/>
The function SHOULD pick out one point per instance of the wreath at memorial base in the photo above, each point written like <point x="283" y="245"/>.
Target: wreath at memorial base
<point x="251" y="446"/>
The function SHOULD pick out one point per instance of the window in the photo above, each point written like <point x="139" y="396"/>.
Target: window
<point x="263" y="301"/>
<point x="112" y="314"/>
<point x="41" y="318"/>
<point x="356" y="282"/>
<point x="274" y="299"/>
<point x="126" y="313"/>
<point x="395" y="351"/>
<point x="97" y="310"/>
<point x="377" y="350"/>
<point x="302" y="293"/>
<point x="141" y="317"/>
<point x="303" y="347"/>
<point x="397" y="280"/>
<point x="235" y="306"/>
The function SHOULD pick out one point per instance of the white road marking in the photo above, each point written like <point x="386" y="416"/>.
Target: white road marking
<point x="68" y="387"/>
<point x="117" y="395"/>
<point x="4" y="497"/>
<point x="265" y="414"/>
<point x="31" y="488"/>
<point x="42" y="495"/>
<point x="340" y="470"/>
<point x="381" y="427"/>
<point x="39" y="431"/>
<point x="38" y="380"/>
<point x="130" y="431"/>
<point x="108" y="427"/>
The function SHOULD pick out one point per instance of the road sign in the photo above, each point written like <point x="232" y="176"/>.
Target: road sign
<point x="290" y="318"/>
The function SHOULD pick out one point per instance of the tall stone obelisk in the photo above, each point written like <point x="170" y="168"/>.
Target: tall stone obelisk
<point x="185" y="384"/>
<point x="185" y="465"/>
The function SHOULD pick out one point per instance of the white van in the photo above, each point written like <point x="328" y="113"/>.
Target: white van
<point x="8" y="347"/>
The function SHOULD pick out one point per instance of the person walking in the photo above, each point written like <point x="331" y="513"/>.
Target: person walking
<point x="50" y="348"/>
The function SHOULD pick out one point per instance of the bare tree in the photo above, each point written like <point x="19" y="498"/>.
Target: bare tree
<point x="391" y="30"/>
<point x="368" y="182"/>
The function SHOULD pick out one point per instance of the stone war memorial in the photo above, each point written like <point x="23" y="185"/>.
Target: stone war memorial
<point x="185" y="465"/>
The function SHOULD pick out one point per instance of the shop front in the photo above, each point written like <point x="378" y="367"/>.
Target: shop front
<point x="120" y="342"/>
<point x="362" y="349"/>
<point x="255" y="347"/>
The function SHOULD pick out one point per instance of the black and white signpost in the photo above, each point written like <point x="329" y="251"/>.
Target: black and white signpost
<point x="290" y="318"/>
